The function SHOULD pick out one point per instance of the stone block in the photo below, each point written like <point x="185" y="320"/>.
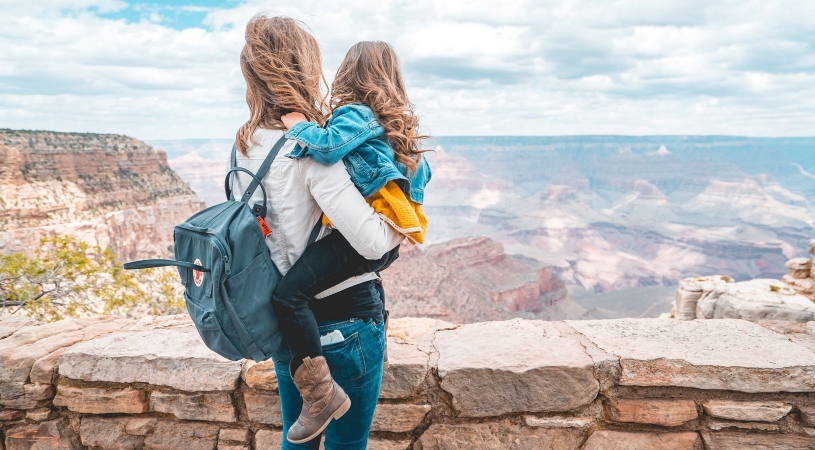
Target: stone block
<point x="729" y="440"/>
<point x="747" y="411"/>
<point x="233" y="447"/>
<point x="558" y="422"/>
<point x="496" y="368"/>
<point x="240" y="435"/>
<point x="108" y="433"/>
<point x="171" y="435"/>
<point x="260" y="375"/>
<point x="20" y="350"/>
<point x="41" y="414"/>
<point x="724" y="354"/>
<point x="174" y="357"/>
<point x="268" y="439"/>
<point x="667" y="413"/>
<point x="717" y="425"/>
<point x="43" y="369"/>
<point x="7" y="415"/>
<point x="387" y="444"/>
<point x="51" y="435"/>
<point x="141" y="426"/>
<point x="620" y="440"/>
<point x="407" y="371"/>
<point x="496" y="436"/>
<point x="34" y="396"/>
<point x="263" y="407"/>
<point x="92" y="400"/>
<point x="808" y="414"/>
<point x="210" y="406"/>
<point x="398" y="418"/>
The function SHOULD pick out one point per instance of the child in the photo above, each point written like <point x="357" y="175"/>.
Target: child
<point x="374" y="132"/>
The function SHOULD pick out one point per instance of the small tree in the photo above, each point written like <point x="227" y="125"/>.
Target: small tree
<point x="67" y="278"/>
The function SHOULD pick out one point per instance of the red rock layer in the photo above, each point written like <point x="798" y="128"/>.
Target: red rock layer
<point x="468" y="280"/>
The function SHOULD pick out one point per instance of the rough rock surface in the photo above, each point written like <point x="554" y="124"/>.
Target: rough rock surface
<point x="496" y="437"/>
<point x="99" y="400"/>
<point x="747" y="411"/>
<point x="714" y="354"/>
<point x="398" y="418"/>
<point x="471" y="279"/>
<point x="729" y="440"/>
<point x="105" y="189"/>
<point x="173" y="357"/>
<point x="501" y="367"/>
<point x="717" y="297"/>
<point x="668" y="413"/>
<point x="616" y="440"/>
<point x="209" y="406"/>
<point x="517" y="384"/>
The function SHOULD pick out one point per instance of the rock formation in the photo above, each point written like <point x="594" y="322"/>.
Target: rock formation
<point x="801" y="277"/>
<point x="104" y="189"/>
<point x="719" y="297"/>
<point x="473" y="279"/>
<point x="111" y="383"/>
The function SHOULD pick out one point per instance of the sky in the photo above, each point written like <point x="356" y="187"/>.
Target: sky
<point x="169" y="70"/>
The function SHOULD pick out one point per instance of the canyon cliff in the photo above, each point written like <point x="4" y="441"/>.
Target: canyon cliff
<point x="472" y="279"/>
<point x="104" y="189"/>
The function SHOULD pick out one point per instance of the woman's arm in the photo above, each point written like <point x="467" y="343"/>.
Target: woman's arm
<point x="350" y="126"/>
<point x="340" y="200"/>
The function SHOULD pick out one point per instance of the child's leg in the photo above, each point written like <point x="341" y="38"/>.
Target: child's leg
<point x="324" y="264"/>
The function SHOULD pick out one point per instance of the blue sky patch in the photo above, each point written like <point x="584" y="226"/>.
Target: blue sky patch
<point x="178" y="14"/>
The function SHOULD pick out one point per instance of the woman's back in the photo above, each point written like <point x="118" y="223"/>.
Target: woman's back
<point x="299" y="191"/>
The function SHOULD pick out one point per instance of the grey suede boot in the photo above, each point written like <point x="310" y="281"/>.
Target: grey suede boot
<point x="323" y="400"/>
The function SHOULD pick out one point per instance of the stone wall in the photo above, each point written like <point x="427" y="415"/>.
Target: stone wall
<point x="109" y="383"/>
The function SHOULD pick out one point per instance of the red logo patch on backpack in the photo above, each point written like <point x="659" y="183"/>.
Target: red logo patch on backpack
<point x="197" y="275"/>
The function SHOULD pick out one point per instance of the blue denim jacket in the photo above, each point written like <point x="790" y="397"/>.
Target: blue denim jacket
<point x="353" y="135"/>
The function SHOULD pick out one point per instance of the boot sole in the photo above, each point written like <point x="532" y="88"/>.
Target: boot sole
<point x="346" y="405"/>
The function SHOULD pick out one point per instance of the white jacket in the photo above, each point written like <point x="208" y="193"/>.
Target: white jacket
<point x="299" y="191"/>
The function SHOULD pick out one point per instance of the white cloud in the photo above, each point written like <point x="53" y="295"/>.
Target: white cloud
<point x="474" y="67"/>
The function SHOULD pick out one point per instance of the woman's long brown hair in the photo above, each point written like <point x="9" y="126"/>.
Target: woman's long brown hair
<point x="283" y="70"/>
<point x="370" y="74"/>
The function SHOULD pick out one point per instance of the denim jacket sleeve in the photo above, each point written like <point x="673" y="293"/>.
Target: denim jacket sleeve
<point x="349" y="126"/>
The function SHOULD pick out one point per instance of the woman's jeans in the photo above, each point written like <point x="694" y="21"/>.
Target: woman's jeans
<point x="324" y="264"/>
<point x="356" y="365"/>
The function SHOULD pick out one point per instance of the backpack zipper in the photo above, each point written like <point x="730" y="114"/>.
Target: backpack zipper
<point x="222" y="249"/>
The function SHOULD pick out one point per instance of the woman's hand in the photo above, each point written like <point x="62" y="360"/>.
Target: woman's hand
<point x="290" y="119"/>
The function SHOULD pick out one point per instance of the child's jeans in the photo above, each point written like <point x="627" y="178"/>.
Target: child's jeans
<point x="324" y="264"/>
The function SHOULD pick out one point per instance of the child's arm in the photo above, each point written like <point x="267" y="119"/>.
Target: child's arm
<point x="349" y="128"/>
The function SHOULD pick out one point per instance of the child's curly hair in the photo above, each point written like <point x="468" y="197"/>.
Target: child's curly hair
<point x="370" y="74"/>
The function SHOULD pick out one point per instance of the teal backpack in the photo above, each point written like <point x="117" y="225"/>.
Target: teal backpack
<point x="227" y="271"/>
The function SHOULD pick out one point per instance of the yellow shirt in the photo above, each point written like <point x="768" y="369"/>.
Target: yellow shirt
<point x="406" y="216"/>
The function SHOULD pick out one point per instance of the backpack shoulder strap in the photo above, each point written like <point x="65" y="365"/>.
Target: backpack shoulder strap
<point x="150" y="263"/>
<point x="315" y="231"/>
<point x="264" y="167"/>
<point x="233" y="162"/>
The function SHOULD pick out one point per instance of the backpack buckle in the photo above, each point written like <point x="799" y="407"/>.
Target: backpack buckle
<point x="259" y="210"/>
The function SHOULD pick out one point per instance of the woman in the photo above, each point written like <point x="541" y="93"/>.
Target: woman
<point x="283" y="70"/>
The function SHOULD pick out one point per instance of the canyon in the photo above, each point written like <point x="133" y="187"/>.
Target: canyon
<point x="620" y="219"/>
<point x="106" y="190"/>
<point x="473" y="280"/>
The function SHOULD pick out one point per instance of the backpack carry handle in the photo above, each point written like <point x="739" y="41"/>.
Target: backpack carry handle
<point x="150" y="263"/>
<point x="258" y="210"/>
